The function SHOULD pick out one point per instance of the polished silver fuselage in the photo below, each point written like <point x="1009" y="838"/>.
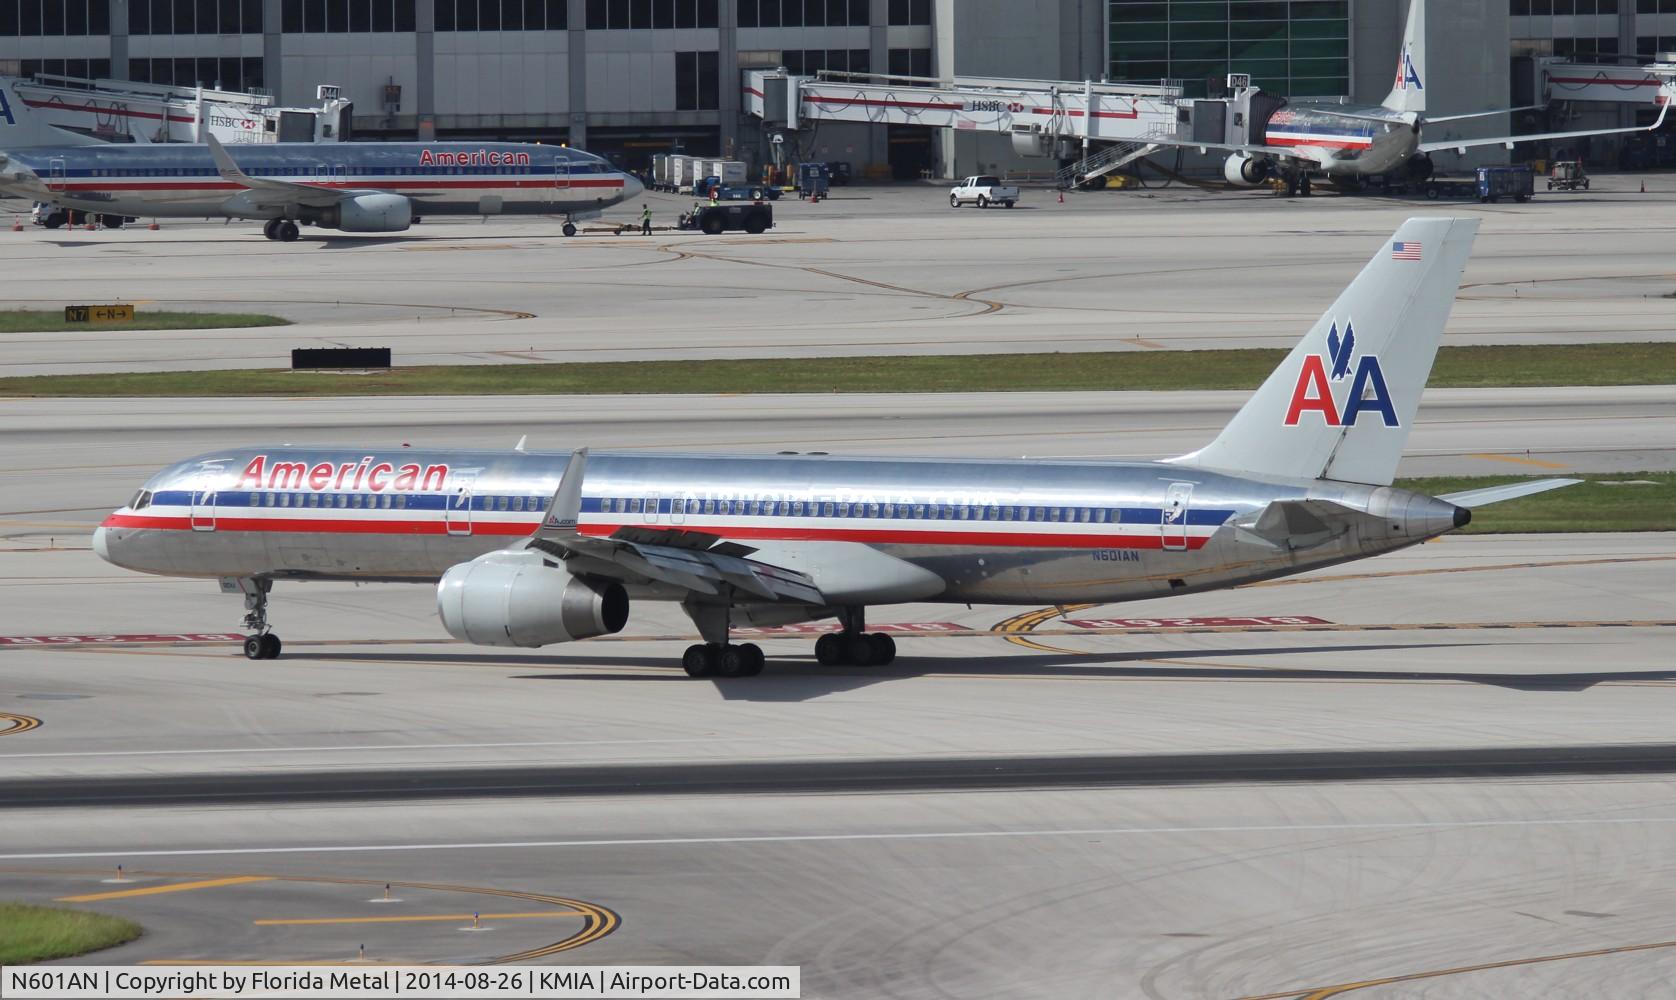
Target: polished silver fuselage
<point x="994" y="531"/>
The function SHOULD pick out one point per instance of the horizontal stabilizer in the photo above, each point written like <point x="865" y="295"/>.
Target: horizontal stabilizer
<point x="1512" y="491"/>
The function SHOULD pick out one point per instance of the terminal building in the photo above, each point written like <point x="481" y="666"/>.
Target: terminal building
<point x="627" y="78"/>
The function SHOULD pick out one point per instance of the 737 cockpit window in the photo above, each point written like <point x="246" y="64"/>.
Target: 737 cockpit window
<point x="141" y="500"/>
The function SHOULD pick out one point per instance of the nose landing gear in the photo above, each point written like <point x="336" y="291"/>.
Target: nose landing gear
<point x="263" y="644"/>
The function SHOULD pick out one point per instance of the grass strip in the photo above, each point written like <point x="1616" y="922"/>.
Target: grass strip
<point x="1614" y="501"/>
<point x="1456" y="367"/>
<point x="41" y="933"/>
<point x="45" y="321"/>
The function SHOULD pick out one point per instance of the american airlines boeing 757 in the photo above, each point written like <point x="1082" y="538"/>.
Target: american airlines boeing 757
<point x="531" y="549"/>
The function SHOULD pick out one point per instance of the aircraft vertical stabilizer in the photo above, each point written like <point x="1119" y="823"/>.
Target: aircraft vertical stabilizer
<point x="1408" y="93"/>
<point x="1342" y="403"/>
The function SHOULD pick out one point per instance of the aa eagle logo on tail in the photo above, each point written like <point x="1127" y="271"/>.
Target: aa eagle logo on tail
<point x="1407" y="75"/>
<point x="1313" y="391"/>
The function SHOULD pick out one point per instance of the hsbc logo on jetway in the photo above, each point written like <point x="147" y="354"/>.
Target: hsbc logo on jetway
<point x="1313" y="392"/>
<point x="6" y="108"/>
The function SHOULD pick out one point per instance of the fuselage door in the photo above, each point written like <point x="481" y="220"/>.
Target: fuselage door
<point x="561" y="180"/>
<point x="203" y="510"/>
<point x="457" y="514"/>
<point x="55" y="174"/>
<point x="651" y="508"/>
<point x="678" y="509"/>
<point x="1173" y="521"/>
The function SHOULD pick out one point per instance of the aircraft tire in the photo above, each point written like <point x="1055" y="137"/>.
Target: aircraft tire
<point x="858" y="651"/>
<point x="754" y="660"/>
<point x="569" y="229"/>
<point x="697" y="661"/>
<point x="271" y="646"/>
<point x="253" y="647"/>
<point x="733" y="662"/>
<point x="287" y="231"/>
<point x="111" y="221"/>
<point x="829" y="650"/>
<point x="883" y="648"/>
<point x="270" y="229"/>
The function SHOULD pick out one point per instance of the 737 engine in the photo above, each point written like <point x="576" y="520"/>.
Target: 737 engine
<point x="1247" y="170"/>
<point x="522" y="599"/>
<point x="369" y="213"/>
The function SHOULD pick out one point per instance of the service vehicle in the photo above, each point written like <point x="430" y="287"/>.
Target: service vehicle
<point x="1568" y="175"/>
<point x="748" y="216"/>
<point x="755" y="192"/>
<point x="840" y="171"/>
<point x="1487" y="184"/>
<point x="813" y="179"/>
<point x="983" y="191"/>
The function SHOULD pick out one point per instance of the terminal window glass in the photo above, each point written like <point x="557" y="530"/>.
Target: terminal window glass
<point x="810" y="13"/>
<point x="638" y="15"/>
<point x="910" y="12"/>
<point x="1297" y="48"/>
<point x="910" y="62"/>
<point x="55" y="17"/>
<point x="697" y="81"/>
<point x="336" y="16"/>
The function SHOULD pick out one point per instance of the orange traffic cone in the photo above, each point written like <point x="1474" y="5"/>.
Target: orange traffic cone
<point x="154" y="226"/>
<point x="1061" y="196"/>
<point x="17" y="224"/>
<point x="91" y="225"/>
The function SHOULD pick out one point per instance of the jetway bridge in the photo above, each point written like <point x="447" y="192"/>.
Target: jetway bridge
<point x="1097" y="128"/>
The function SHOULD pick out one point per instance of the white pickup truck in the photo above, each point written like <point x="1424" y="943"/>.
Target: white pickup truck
<point x="983" y="191"/>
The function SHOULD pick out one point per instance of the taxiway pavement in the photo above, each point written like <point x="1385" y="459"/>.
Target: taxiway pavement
<point x="873" y="271"/>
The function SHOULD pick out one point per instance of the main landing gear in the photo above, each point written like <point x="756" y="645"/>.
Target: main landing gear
<point x="853" y="647"/>
<point x="843" y="649"/>
<point x="715" y="659"/>
<point x="263" y="644"/>
<point x="282" y="230"/>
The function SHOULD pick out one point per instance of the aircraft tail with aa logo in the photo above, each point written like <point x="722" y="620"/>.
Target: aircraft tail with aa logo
<point x="1341" y="405"/>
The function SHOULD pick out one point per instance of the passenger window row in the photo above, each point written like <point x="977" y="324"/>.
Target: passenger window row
<point x="874" y="511"/>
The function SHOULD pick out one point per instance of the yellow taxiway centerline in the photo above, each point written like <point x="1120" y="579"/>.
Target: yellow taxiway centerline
<point x="415" y="919"/>
<point x="156" y="890"/>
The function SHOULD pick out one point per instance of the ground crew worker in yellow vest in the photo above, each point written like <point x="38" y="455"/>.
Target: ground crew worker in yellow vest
<point x="645" y="219"/>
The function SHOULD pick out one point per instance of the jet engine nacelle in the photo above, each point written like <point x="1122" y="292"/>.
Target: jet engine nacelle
<point x="370" y="213"/>
<point x="1245" y="169"/>
<point x="521" y="599"/>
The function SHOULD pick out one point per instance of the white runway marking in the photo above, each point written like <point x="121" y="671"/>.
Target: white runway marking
<point x="1114" y="831"/>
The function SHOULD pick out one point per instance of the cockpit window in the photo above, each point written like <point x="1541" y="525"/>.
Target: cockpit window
<point x="141" y="500"/>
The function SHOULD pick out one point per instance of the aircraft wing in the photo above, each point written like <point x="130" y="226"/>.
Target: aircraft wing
<point x="1509" y="141"/>
<point x="1304" y="154"/>
<point x="267" y="190"/>
<point x="697" y="561"/>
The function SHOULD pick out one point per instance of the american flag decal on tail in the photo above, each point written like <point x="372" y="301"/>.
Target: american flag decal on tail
<point x="1405" y="251"/>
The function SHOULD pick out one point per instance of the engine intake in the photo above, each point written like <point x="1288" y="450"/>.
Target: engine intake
<point x="370" y="213"/>
<point x="1242" y="168"/>
<point x="520" y="599"/>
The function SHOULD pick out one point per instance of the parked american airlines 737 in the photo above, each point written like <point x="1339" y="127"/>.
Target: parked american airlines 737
<point x="356" y="187"/>
<point x="1350" y="143"/>
<point x="532" y="549"/>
